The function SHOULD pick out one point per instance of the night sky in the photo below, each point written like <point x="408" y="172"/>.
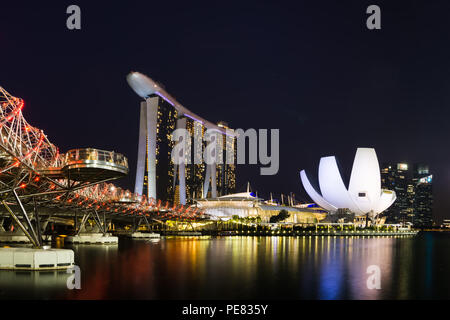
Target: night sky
<point x="310" y="68"/>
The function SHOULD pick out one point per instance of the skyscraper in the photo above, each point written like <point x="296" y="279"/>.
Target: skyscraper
<point x="154" y="168"/>
<point x="423" y="205"/>
<point x="226" y="171"/>
<point x="193" y="172"/>
<point x="396" y="176"/>
<point x="157" y="176"/>
<point x="414" y="193"/>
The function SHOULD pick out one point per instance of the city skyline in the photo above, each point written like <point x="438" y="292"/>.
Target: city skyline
<point x="414" y="187"/>
<point x="260" y="71"/>
<point x="224" y="159"/>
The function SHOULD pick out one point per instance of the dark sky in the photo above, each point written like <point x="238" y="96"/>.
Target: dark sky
<point x="310" y="68"/>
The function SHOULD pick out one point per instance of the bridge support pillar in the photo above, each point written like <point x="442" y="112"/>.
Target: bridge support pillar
<point x="135" y="234"/>
<point x="16" y="236"/>
<point x="35" y="259"/>
<point x="21" y="233"/>
<point x="92" y="238"/>
<point x="95" y="234"/>
<point x="144" y="235"/>
<point x="12" y="234"/>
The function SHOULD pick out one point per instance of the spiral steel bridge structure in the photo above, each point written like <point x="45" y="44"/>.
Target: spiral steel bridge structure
<point x="37" y="180"/>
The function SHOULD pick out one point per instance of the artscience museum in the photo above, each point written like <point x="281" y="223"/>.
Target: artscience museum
<point x="363" y="195"/>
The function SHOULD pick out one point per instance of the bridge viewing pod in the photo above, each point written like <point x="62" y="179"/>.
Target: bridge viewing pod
<point x="89" y="164"/>
<point x="86" y="164"/>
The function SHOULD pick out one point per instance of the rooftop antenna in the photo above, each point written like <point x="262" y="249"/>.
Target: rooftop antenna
<point x="271" y="199"/>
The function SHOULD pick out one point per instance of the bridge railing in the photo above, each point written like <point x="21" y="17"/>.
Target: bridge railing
<point x="86" y="154"/>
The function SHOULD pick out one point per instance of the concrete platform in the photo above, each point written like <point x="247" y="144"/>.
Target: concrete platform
<point x="35" y="259"/>
<point x="92" y="238"/>
<point x="187" y="233"/>
<point x="144" y="235"/>
<point x="13" y="237"/>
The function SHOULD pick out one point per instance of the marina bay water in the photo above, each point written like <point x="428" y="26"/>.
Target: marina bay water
<point x="247" y="267"/>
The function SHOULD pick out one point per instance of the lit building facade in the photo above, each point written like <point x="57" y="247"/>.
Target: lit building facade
<point x="226" y="172"/>
<point x="423" y="202"/>
<point x="398" y="177"/>
<point x="413" y="185"/>
<point x="246" y="205"/>
<point x="155" y="170"/>
<point x="157" y="176"/>
<point x="195" y="173"/>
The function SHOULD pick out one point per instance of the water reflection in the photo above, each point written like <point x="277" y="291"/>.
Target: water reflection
<point x="14" y="284"/>
<point x="248" y="267"/>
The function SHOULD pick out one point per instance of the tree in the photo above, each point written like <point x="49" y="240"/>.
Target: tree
<point x="282" y="215"/>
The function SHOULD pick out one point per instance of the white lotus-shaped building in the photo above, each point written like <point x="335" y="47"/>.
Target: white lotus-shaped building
<point x="364" y="194"/>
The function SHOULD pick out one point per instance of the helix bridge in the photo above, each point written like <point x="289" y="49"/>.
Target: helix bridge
<point x="37" y="181"/>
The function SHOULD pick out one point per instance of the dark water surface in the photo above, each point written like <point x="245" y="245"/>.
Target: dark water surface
<point x="248" y="267"/>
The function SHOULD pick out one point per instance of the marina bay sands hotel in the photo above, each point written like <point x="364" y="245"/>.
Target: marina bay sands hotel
<point x="157" y="176"/>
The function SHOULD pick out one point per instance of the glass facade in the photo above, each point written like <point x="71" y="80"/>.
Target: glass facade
<point x="226" y="172"/>
<point x="165" y="125"/>
<point x="423" y="206"/>
<point x="167" y="181"/>
<point x="413" y="186"/>
<point x="195" y="172"/>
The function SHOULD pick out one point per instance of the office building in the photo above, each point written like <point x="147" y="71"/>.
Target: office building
<point x="413" y="186"/>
